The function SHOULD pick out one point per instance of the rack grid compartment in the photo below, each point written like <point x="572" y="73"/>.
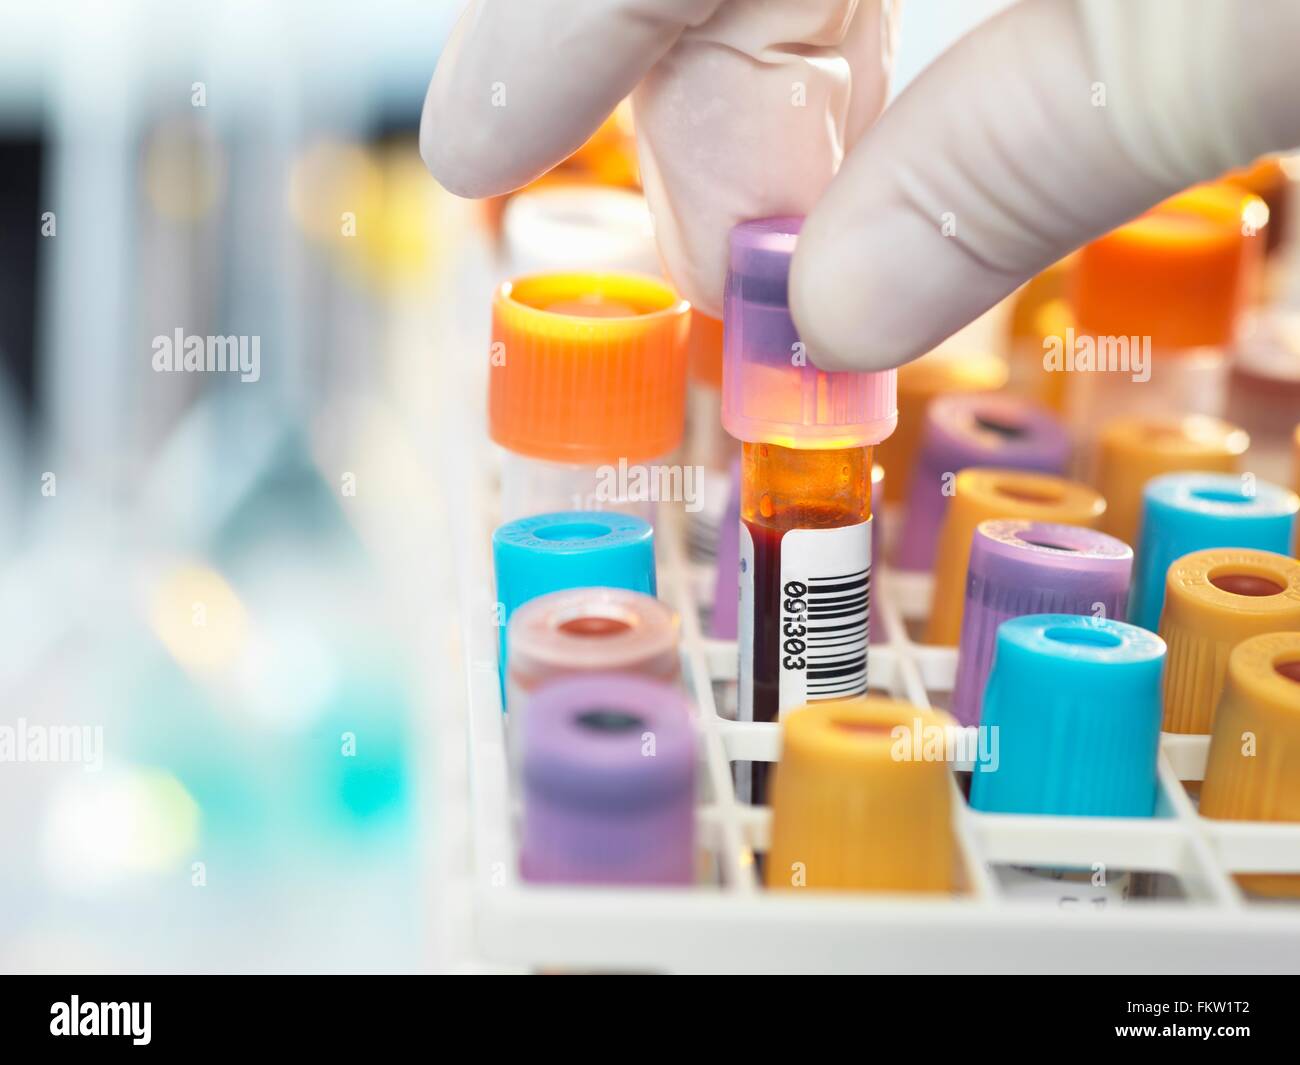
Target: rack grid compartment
<point x="729" y="923"/>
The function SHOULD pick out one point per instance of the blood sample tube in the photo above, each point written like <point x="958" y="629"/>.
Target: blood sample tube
<point x="805" y="539"/>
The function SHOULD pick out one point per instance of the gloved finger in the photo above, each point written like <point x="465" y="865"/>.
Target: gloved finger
<point x="521" y="84"/>
<point x="1045" y="127"/>
<point x="750" y="115"/>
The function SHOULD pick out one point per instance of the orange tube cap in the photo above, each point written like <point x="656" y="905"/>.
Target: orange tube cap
<point x="1177" y="274"/>
<point x="588" y="368"/>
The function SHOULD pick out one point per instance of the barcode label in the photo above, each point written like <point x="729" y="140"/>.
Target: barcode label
<point x="826" y="623"/>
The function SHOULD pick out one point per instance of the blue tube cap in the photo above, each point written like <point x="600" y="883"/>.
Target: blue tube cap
<point x="546" y="553"/>
<point x="1075" y="701"/>
<point x="1186" y="512"/>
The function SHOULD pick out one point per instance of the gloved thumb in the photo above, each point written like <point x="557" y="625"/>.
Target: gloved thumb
<point x="1045" y="127"/>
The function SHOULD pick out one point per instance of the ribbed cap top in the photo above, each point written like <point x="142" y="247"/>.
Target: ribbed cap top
<point x="771" y="391"/>
<point x="1076" y="702"/>
<point x="980" y="495"/>
<point x="1186" y="512"/>
<point x="585" y="741"/>
<point x="588" y="368"/>
<point x="593" y="630"/>
<point x="857" y="804"/>
<point x="1030" y="567"/>
<point x="1215" y="599"/>
<point x="608" y="768"/>
<point x="569" y="549"/>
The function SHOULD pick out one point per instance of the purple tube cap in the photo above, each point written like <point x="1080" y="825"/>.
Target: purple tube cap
<point x="771" y="390"/>
<point x="608" y="740"/>
<point x="1038" y="557"/>
<point x="989" y="430"/>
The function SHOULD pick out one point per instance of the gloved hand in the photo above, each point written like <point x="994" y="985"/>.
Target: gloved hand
<point x="1046" y="126"/>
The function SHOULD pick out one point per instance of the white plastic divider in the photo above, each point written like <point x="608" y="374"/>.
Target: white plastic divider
<point x="728" y="923"/>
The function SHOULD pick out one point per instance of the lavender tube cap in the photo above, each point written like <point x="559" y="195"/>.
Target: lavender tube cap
<point x="1022" y="567"/>
<point x="608" y="769"/>
<point x="972" y="430"/>
<point x="772" y="392"/>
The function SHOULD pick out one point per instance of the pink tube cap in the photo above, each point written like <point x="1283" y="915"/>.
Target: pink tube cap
<point x="771" y="391"/>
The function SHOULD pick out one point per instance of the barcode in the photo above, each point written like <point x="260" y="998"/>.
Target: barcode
<point x="702" y="535"/>
<point x="838" y="629"/>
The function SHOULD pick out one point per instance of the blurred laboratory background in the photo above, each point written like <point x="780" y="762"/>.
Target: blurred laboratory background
<point x="235" y="587"/>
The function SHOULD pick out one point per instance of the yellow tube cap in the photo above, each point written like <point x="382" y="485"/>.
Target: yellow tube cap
<point x="980" y="495"/>
<point x="854" y="808"/>
<point x="1213" y="600"/>
<point x="1253" y="771"/>
<point x="1131" y="451"/>
<point x="935" y="374"/>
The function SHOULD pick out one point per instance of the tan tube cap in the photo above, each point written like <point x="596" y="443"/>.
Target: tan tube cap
<point x="1253" y="772"/>
<point x="857" y="805"/>
<point x="982" y="494"/>
<point x="1131" y="451"/>
<point x="1213" y="600"/>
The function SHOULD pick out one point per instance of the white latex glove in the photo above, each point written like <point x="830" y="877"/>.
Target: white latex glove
<point x="1044" y="127"/>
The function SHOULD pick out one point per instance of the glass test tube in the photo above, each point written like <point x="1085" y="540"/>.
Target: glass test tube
<point x="586" y="391"/>
<point x="805" y="534"/>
